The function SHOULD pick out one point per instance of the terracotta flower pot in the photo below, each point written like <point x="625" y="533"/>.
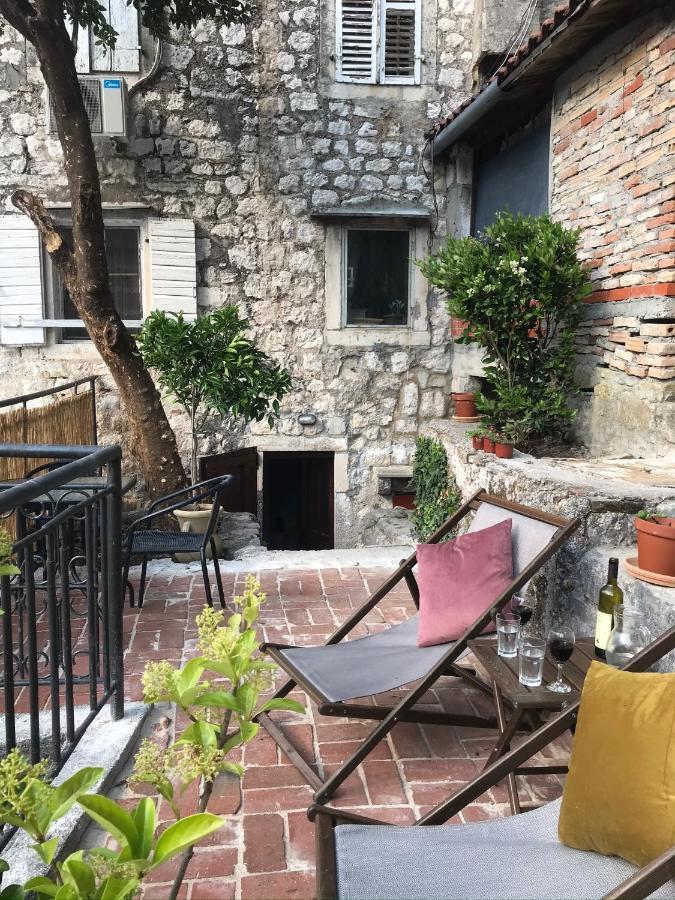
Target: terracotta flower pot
<point x="457" y="327"/>
<point x="656" y="544"/>
<point x="488" y="445"/>
<point x="477" y="442"/>
<point x="503" y="451"/>
<point x="465" y="404"/>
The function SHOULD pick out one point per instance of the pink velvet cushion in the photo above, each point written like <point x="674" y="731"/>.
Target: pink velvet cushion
<point x="460" y="579"/>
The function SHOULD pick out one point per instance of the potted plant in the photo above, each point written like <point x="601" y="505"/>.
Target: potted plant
<point x="465" y="404"/>
<point x="209" y="366"/>
<point x="656" y="543"/>
<point x="476" y="435"/>
<point x="396" y="314"/>
<point x="503" y="446"/>
<point x="489" y="441"/>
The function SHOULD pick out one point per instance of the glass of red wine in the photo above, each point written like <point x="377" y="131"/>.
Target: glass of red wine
<point x="560" y="645"/>
<point x="522" y="606"/>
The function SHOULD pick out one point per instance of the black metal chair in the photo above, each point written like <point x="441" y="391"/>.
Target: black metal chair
<point x="145" y="542"/>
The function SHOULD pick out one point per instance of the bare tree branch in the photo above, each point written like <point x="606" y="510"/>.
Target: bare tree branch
<point x="51" y="236"/>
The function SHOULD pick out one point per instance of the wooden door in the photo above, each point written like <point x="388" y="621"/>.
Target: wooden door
<point x="242" y="494"/>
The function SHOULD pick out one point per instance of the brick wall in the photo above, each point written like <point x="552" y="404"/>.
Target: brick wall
<point x="613" y="176"/>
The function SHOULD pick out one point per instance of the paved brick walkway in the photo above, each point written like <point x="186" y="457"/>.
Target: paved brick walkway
<point x="266" y="850"/>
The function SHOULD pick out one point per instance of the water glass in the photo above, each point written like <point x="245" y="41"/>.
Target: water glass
<point x="531" y="661"/>
<point x="508" y="631"/>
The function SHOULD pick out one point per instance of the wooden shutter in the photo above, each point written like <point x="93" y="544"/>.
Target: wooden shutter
<point x="20" y="281"/>
<point x="356" y="40"/>
<point x="173" y="265"/>
<point x="82" y="56"/>
<point x="400" y="40"/>
<point x="125" y="57"/>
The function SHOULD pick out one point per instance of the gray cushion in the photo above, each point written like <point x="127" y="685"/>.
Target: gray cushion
<point x="500" y="859"/>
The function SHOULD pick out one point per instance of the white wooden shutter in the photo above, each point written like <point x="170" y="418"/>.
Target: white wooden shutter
<point x="173" y="265"/>
<point x="82" y="55"/>
<point x="356" y="31"/>
<point x="125" y="57"/>
<point x="400" y="42"/>
<point x="20" y="281"/>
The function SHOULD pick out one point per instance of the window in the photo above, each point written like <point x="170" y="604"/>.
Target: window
<point x="376" y="276"/>
<point x="378" y="41"/>
<point x="122" y="245"/>
<point x="125" y="56"/>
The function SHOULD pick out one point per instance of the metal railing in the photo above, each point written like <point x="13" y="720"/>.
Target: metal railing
<point x="61" y="626"/>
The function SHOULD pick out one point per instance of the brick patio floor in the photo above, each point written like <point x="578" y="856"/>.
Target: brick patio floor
<point x="266" y="850"/>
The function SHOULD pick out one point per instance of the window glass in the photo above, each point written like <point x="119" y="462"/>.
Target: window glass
<point x="377" y="276"/>
<point x="121" y="246"/>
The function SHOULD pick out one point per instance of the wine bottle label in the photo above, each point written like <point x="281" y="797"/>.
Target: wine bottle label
<point x="603" y="629"/>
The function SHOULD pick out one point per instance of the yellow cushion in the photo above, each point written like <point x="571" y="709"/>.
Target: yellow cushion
<point x="619" y="796"/>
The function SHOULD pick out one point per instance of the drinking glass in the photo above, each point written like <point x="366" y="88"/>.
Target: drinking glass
<point x="508" y="630"/>
<point x="522" y="606"/>
<point x="531" y="661"/>
<point x="561" y="645"/>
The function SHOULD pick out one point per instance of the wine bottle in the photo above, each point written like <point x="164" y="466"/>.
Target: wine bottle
<point x="610" y="595"/>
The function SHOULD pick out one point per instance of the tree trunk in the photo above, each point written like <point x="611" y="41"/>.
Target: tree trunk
<point x="85" y="271"/>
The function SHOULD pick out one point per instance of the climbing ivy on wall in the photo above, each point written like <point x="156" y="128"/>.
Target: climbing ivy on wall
<point x="436" y="493"/>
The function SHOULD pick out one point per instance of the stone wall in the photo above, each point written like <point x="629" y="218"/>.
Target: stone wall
<point x="612" y="134"/>
<point x="245" y="131"/>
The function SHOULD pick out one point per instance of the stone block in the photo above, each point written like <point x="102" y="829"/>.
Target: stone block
<point x="658" y="329"/>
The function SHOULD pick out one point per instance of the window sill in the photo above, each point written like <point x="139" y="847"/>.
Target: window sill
<point x="393" y="336"/>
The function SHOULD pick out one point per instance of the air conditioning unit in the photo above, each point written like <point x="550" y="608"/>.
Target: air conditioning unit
<point x="105" y="101"/>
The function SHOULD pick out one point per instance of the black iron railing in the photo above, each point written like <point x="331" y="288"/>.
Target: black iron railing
<point x="61" y="627"/>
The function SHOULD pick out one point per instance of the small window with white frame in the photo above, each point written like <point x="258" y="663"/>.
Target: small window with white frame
<point x="376" y="276"/>
<point x="91" y="57"/>
<point x="378" y="41"/>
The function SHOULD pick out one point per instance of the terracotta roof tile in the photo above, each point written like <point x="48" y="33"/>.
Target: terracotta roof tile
<point x="560" y="14"/>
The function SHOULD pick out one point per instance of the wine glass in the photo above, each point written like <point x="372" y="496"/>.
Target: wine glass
<point x="522" y="606"/>
<point x="561" y="645"/>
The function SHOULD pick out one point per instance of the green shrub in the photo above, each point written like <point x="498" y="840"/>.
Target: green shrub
<point x="436" y="494"/>
<point x="520" y="287"/>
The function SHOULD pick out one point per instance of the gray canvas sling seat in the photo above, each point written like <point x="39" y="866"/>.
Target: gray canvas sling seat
<point x="336" y="674"/>
<point x="500" y="859"/>
<point x="389" y="659"/>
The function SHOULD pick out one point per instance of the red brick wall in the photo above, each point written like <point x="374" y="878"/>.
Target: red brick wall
<point x="613" y="176"/>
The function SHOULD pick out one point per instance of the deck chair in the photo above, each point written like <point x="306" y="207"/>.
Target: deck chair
<point x="341" y="671"/>
<point x="515" y="857"/>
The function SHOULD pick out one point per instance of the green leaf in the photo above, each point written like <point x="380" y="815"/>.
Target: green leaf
<point x="189" y="675"/>
<point x="221" y="699"/>
<point x="12" y="892"/>
<point x="247" y="698"/>
<point x="119" y="888"/>
<point x="80" y="875"/>
<point x="113" y="818"/>
<point x="41" y="885"/>
<point x="279" y="703"/>
<point x="67" y="892"/>
<point x="46" y="849"/>
<point x="201" y="733"/>
<point x="4" y="865"/>
<point x="185" y="833"/>
<point x="221" y="667"/>
<point x="233" y="768"/>
<point x="67" y="793"/>
<point x="144" y="818"/>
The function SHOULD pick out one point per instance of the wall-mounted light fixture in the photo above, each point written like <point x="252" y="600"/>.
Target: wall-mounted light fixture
<point x="307" y="419"/>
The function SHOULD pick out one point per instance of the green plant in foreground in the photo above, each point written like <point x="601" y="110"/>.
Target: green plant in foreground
<point x="220" y="710"/>
<point x="436" y="494"/>
<point x="7" y="564"/>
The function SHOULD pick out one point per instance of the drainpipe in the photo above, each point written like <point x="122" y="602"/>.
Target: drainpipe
<point x="454" y="130"/>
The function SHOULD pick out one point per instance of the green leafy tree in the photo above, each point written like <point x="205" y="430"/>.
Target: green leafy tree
<point x="436" y="493"/>
<point x="209" y="366"/>
<point x="520" y="287"/>
<point x="219" y="692"/>
<point x="52" y="27"/>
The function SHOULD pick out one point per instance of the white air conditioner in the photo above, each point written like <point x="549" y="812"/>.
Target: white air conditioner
<point x="105" y="101"/>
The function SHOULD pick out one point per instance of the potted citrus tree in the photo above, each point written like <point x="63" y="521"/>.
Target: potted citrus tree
<point x="209" y="366"/>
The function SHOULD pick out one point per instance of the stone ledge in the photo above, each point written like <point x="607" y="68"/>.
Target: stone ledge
<point x="105" y="743"/>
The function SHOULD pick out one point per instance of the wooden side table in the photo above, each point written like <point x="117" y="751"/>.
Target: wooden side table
<point x="508" y="692"/>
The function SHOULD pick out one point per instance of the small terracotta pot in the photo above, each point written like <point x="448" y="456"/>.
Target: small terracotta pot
<point x="465" y="404"/>
<point x="503" y="451"/>
<point x="656" y="544"/>
<point x="457" y="327"/>
<point x="488" y="445"/>
<point x="477" y="442"/>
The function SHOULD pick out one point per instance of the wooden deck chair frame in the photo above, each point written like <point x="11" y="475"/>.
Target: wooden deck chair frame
<point x="404" y="710"/>
<point x="641" y="884"/>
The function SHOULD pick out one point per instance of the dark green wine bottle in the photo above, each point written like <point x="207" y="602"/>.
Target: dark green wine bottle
<point x="609" y="597"/>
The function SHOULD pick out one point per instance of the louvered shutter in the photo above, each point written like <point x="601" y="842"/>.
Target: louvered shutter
<point x="173" y="265"/>
<point x="20" y="281"/>
<point x="125" y="57"/>
<point x="400" y="40"/>
<point x="356" y="31"/>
